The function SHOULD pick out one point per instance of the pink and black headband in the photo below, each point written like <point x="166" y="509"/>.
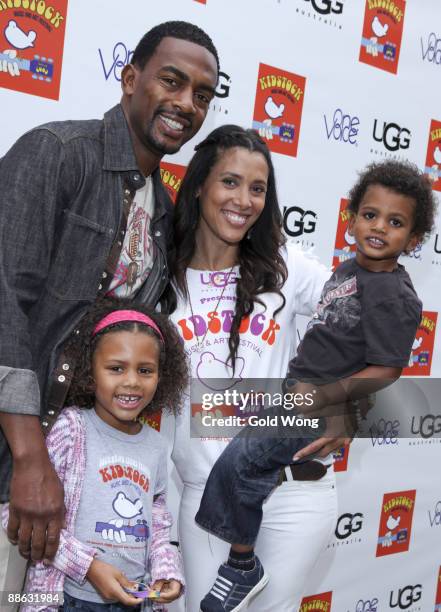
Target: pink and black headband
<point x="122" y="316"/>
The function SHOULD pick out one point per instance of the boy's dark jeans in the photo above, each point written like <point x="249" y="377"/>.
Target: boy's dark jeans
<point x="72" y="604"/>
<point x="242" y="478"/>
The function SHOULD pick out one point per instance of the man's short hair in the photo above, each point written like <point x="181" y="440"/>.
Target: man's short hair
<point x="175" y="29"/>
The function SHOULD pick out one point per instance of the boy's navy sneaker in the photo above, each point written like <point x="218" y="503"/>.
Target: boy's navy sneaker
<point x="234" y="588"/>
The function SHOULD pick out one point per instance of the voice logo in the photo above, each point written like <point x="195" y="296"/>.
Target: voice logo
<point x="343" y="127"/>
<point x="435" y="518"/>
<point x="384" y="433"/>
<point x="428" y="425"/>
<point x="431" y="50"/>
<point x="347" y="524"/>
<point x="416" y="253"/>
<point x="370" y="605"/>
<point x="405" y="597"/>
<point x="120" y="56"/>
<point x="392" y="136"/>
<point x="325" y="7"/>
<point x="297" y="221"/>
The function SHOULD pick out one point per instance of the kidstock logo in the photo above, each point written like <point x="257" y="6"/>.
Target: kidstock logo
<point x="347" y="524"/>
<point x="113" y="63"/>
<point x="345" y="247"/>
<point x="297" y="221"/>
<point x="435" y="517"/>
<point x="384" y="432"/>
<point x="433" y="155"/>
<point x="317" y="603"/>
<point x="391" y="135"/>
<point x="278" y="108"/>
<point x="431" y="49"/>
<point x="342" y="127"/>
<point x="395" y="522"/>
<point x="420" y="360"/>
<point x="406" y="596"/>
<point x="341" y="456"/>
<point x="382" y="34"/>
<point x="438" y="593"/>
<point x="325" y="7"/>
<point x="172" y="176"/>
<point x="31" y="45"/>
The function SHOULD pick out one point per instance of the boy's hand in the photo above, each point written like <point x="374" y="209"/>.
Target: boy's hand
<point x="170" y="590"/>
<point x="109" y="581"/>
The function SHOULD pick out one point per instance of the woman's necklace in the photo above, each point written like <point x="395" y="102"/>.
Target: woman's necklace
<point x="227" y="276"/>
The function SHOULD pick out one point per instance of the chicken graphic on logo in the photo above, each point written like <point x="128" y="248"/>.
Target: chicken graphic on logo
<point x="272" y="110"/>
<point x="378" y="28"/>
<point x="392" y="523"/>
<point x="17" y="37"/>
<point x="117" y="529"/>
<point x="212" y="372"/>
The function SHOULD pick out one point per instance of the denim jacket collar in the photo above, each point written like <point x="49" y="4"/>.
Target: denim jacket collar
<point x="118" y="149"/>
<point x="119" y="156"/>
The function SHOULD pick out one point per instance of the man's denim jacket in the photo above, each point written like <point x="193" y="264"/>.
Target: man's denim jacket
<point x="63" y="189"/>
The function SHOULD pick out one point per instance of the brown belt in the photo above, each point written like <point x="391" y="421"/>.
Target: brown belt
<point x="308" y="470"/>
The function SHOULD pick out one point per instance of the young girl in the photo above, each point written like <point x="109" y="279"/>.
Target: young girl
<point x="129" y="363"/>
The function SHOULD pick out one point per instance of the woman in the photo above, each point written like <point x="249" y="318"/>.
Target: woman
<point x="239" y="288"/>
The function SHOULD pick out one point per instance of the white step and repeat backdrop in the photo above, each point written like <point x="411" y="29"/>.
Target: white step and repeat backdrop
<point x="333" y="85"/>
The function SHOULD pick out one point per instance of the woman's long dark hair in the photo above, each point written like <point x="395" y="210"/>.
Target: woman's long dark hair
<point x="261" y="266"/>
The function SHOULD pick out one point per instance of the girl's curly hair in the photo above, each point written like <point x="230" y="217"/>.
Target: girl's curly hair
<point x="173" y="367"/>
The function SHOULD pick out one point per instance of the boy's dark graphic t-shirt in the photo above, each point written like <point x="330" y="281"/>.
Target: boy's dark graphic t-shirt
<point x="363" y="318"/>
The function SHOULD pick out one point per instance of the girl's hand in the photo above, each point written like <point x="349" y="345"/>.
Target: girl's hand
<point x="170" y="590"/>
<point x="109" y="581"/>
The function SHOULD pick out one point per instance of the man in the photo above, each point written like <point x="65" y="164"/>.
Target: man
<point x="83" y="214"/>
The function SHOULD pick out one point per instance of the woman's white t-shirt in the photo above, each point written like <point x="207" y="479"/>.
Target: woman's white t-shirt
<point x="266" y="343"/>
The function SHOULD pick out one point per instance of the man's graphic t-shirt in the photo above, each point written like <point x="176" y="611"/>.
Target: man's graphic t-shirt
<point x="123" y="473"/>
<point x="136" y="259"/>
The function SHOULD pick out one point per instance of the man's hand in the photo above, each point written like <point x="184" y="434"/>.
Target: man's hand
<point x="266" y="132"/>
<point x="170" y="590"/>
<point x="110" y="582"/>
<point x="372" y="48"/>
<point x="36" y="507"/>
<point x="9" y="62"/>
<point x="335" y="437"/>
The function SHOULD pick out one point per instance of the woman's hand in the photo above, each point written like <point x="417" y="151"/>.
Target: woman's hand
<point x="170" y="590"/>
<point x="335" y="436"/>
<point x="109" y="581"/>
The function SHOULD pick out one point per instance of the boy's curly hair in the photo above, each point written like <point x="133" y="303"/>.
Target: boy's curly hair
<point x="173" y="367"/>
<point x="406" y="179"/>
